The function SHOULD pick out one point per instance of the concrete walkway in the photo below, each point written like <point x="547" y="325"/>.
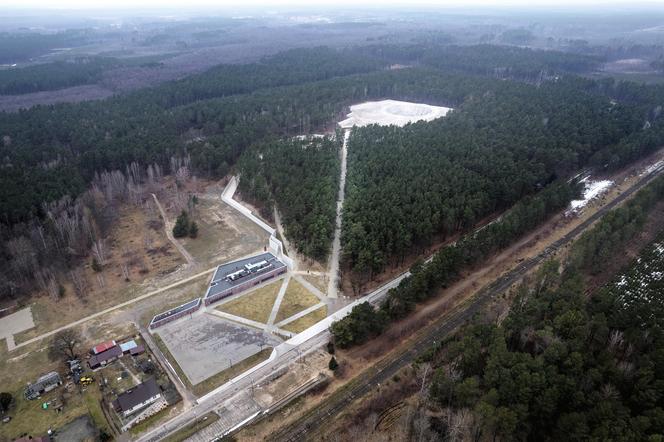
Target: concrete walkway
<point x="168" y="229"/>
<point x="333" y="284"/>
<point x="277" y="302"/>
<point x="238" y="319"/>
<point x="250" y="323"/>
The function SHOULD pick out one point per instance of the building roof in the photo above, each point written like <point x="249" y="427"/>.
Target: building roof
<point x="126" y="346"/>
<point x="220" y="281"/>
<point x="99" y="348"/>
<point x="139" y="349"/>
<point x="111" y="353"/>
<point x="137" y="395"/>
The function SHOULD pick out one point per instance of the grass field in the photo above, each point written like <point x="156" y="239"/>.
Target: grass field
<point x="296" y="299"/>
<point x="218" y="379"/>
<point x="307" y="320"/>
<point x="255" y="305"/>
<point x="223" y="233"/>
<point x="319" y="282"/>
<point x="193" y="428"/>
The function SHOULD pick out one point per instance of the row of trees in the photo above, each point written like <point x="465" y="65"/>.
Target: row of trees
<point x="426" y="279"/>
<point x="301" y="177"/>
<point x="496" y="61"/>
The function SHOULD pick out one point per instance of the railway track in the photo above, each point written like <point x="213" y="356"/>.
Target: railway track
<point x="307" y="426"/>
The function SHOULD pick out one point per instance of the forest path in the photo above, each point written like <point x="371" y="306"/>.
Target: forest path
<point x="333" y="269"/>
<point x="168" y="228"/>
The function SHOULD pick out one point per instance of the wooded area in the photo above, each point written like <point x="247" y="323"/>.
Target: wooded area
<point x="302" y="178"/>
<point x="409" y="186"/>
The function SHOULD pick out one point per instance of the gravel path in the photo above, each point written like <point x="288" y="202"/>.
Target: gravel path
<point x="333" y="271"/>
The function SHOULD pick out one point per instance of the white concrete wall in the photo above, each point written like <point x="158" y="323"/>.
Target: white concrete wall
<point x="227" y="197"/>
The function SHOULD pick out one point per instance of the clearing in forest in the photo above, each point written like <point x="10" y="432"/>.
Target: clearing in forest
<point x="387" y="112"/>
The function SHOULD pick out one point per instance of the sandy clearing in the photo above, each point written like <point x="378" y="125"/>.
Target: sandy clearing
<point x="391" y="112"/>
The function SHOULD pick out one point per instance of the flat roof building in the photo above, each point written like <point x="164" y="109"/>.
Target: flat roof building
<point x="237" y="276"/>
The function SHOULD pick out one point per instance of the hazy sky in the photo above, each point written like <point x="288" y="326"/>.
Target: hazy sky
<point x="151" y="4"/>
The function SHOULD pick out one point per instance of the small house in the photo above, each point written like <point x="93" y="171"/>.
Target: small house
<point x="43" y="385"/>
<point x="105" y="357"/>
<point x="137" y="398"/>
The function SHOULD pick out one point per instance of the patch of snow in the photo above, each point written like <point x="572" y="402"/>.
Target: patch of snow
<point x="652" y="168"/>
<point x="592" y="190"/>
<point x="391" y="112"/>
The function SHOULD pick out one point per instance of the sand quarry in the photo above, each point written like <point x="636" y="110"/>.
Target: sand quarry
<point x="391" y="112"/>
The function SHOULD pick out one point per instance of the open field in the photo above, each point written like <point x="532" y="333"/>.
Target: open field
<point x="296" y="299"/>
<point x="223" y="233"/>
<point x="206" y="344"/>
<point x="127" y="245"/>
<point x="307" y="320"/>
<point x="255" y="305"/>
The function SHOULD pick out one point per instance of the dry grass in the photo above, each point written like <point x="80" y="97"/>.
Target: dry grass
<point x="307" y="320"/>
<point x="255" y="305"/>
<point x="296" y="299"/>
<point x="320" y="282"/>
<point x="223" y="233"/>
<point x="127" y="245"/>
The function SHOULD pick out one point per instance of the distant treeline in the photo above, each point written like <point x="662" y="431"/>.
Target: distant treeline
<point x="488" y="60"/>
<point x="51" y="76"/>
<point x="62" y="74"/>
<point x="15" y="47"/>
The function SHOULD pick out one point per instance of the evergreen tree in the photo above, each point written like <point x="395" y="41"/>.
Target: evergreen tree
<point x="193" y="229"/>
<point x="181" y="228"/>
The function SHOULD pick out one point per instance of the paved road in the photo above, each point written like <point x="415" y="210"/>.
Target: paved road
<point x="333" y="271"/>
<point x="168" y="229"/>
<point x="307" y="427"/>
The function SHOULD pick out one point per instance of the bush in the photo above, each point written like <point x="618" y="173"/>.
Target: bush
<point x="333" y="365"/>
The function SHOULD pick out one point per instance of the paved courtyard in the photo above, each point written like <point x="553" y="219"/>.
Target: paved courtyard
<point x="15" y="323"/>
<point x="205" y="344"/>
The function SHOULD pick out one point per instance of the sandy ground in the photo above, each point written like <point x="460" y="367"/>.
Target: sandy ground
<point x="387" y="112"/>
<point x="205" y="344"/>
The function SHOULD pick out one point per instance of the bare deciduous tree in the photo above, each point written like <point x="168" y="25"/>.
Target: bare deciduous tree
<point x="79" y="282"/>
<point x="64" y="345"/>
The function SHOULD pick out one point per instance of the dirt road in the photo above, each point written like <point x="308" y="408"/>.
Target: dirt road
<point x="168" y="229"/>
<point x="333" y="270"/>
